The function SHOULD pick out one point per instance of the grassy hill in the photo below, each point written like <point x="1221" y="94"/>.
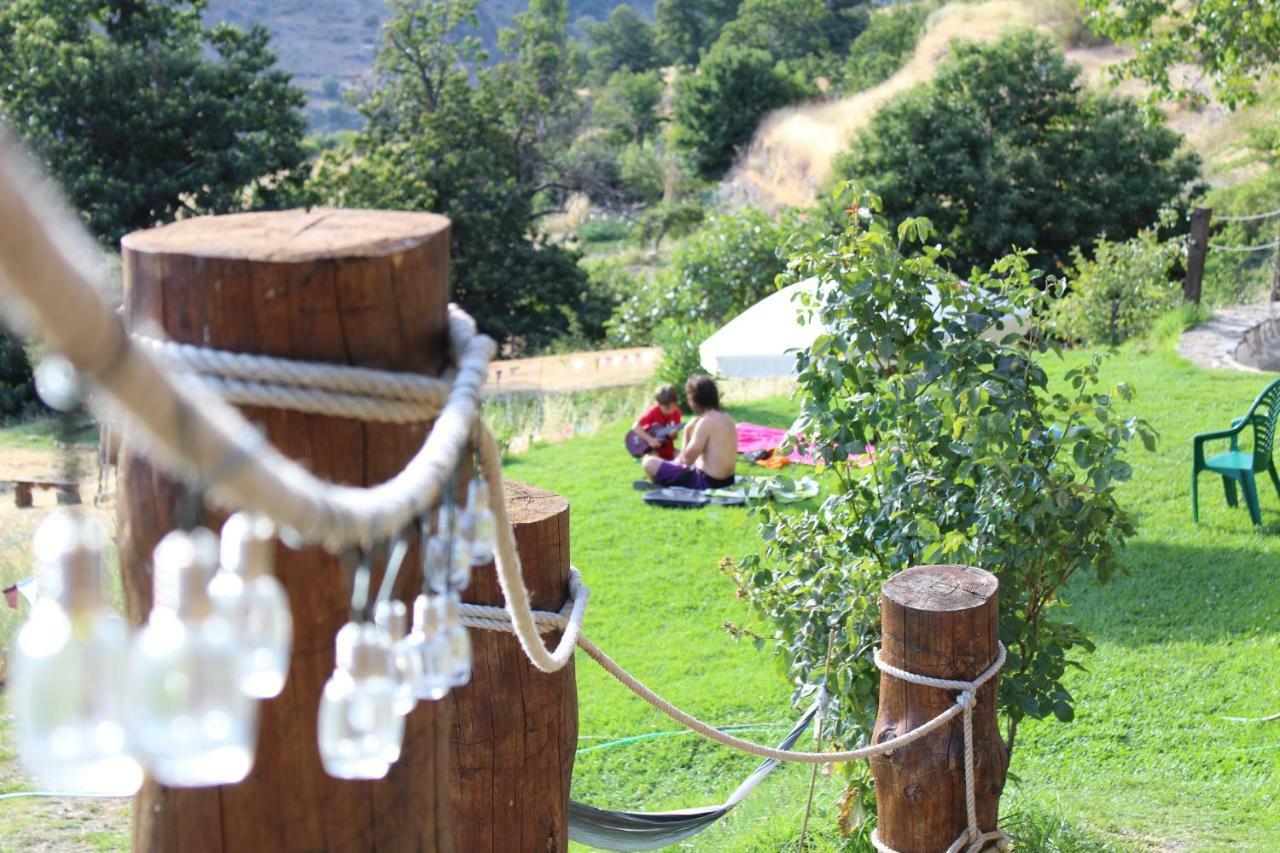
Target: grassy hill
<point x="330" y="45"/>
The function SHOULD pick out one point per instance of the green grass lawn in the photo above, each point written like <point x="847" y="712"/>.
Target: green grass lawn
<point x="1187" y="637"/>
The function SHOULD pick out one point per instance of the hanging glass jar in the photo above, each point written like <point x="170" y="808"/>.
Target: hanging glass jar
<point x="246" y="593"/>
<point x="192" y="724"/>
<point x="66" y="691"/>
<point x="485" y="526"/>
<point x="429" y="647"/>
<point x="360" y="732"/>
<point x="457" y="639"/>
<point x="392" y="617"/>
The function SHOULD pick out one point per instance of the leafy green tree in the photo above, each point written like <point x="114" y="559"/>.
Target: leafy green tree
<point x="792" y="29"/>
<point x="724" y="267"/>
<point x="686" y="29"/>
<point x="17" y="384"/>
<point x="718" y="109"/>
<point x="485" y="143"/>
<point x="1005" y="148"/>
<point x="1236" y="44"/>
<point x="886" y="44"/>
<point x="141" y="112"/>
<point x="624" y="42"/>
<point x="628" y="106"/>
<point x="978" y="461"/>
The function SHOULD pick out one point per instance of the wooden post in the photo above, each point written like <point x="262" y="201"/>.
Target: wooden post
<point x="939" y="621"/>
<point x="1197" y="249"/>
<point x="351" y="287"/>
<point x="515" y="728"/>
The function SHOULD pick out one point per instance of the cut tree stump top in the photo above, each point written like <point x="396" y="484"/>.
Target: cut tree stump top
<point x="939" y="589"/>
<point x="292" y="236"/>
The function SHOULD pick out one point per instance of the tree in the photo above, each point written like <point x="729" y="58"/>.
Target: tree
<point x="794" y="29"/>
<point x="718" y="109"/>
<point x="1236" y="43"/>
<point x="1004" y="148"/>
<point x="978" y="461"/>
<point x="486" y="144"/>
<point x="628" y="106"/>
<point x="141" y="112"/>
<point x="687" y="28"/>
<point x="624" y="42"/>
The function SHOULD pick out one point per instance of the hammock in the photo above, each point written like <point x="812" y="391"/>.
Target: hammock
<point x="618" y="830"/>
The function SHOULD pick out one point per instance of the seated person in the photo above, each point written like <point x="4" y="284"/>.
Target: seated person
<point x="710" y="443"/>
<point x="665" y="413"/>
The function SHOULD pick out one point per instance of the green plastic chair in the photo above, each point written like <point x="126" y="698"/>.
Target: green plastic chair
<point x="1240" y="466"/>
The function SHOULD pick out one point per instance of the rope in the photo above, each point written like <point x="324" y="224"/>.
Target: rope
<point x="974" y="839"/>
<point x="1250" y="218"/>
<point x="1259" y="248"/>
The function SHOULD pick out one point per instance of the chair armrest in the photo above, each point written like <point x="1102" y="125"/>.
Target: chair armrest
<point x="1197" y="442"/>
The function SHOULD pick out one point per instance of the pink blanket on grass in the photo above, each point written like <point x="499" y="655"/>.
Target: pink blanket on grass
<point x="753" y="437"/>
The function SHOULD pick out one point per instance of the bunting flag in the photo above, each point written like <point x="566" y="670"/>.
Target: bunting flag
<point x="27" y="588"/>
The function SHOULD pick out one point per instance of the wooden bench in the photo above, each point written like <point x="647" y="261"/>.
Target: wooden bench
<point x="68" y="492"/>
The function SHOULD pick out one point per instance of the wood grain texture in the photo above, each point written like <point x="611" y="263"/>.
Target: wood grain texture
<point x="939" y="621"/>
<point x="515" y="728"/>
<point x="351" y="287"/>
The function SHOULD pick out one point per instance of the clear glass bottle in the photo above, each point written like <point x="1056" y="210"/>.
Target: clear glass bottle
<point x="192" y="724"/>
<point x="460" y="551"/>
<point x="360" y="733"/>
<point x="435" y="564"/>
<point x="393" y="618"/>
<point x="486" y="525"/>
<point x="458" y="640"/>
<point x="66" y="689"/>
<point x="429" y="647"/>
<point x="247" y="594"/>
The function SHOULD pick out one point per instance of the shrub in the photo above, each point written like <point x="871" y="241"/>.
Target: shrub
<point x="17" y="385"/>
<point x="884" y="46"/>
<point x="670" y="220"/>
<point x="680" y="358"/>
<point x="1005" y="148"/>
<point x="726" y="266"/>
<point x="717" y="109"/>
<point x="640" y="171"/>
<point x="1119" y="292"/>
<point x="604" y="230"/>
<point x="978" y="462"/>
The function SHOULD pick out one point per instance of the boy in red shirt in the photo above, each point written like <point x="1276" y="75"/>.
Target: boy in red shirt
<point x="664" y="414"/>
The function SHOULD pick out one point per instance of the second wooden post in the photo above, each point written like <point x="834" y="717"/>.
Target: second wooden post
<point x="515" y="728"/>
<point x="942" y="622"/>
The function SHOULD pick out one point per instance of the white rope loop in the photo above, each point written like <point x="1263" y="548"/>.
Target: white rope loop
<point x="974" y="838"/>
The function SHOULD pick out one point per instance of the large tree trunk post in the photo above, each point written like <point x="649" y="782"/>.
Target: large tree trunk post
<point x="1197" y="251"/>
<point x="515" y="728"/>
<point x="942" y="622"/>
<point x="351" y="287"/>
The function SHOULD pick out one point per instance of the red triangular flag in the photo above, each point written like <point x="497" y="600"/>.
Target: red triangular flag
<point x="11" y="596"/>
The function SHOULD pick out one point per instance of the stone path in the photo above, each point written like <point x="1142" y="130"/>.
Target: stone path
<point x="1213" y="345"/>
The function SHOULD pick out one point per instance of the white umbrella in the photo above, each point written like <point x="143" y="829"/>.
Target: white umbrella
<point x="760" y="342"/>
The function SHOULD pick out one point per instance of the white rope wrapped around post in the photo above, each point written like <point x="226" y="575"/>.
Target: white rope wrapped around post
<point x="973" y="839"/>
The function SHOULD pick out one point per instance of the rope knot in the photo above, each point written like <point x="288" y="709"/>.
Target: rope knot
<point x="965" y="699"/>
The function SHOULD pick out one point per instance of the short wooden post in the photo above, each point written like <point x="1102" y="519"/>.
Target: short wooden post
<point x="1197" y="250"/>
<point x="351" y="287"/>
<point x="22" y="495"/>
<point x="939" y="621"/>
<point x="515" y="728"/>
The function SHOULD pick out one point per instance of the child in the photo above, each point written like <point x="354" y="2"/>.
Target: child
<point x="664" y="414"/>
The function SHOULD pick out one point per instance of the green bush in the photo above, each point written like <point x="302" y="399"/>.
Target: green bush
<point x="1006" y="148"/>
<point x="717" y="109"/>
<point x="606" y="229"/>
<point x="884" y="46"/>
<point x="1236" y="278"/>
<point x="680" y="359"/>
<point x="978" y="462"/>
<point x="18" y="396"/>
<point x="729" y="264"/>
<point x="1120" y="292"/>
<point x="640" y="171"/>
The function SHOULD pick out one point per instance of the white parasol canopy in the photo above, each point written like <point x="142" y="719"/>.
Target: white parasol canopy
<point x="760" y="342"/>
